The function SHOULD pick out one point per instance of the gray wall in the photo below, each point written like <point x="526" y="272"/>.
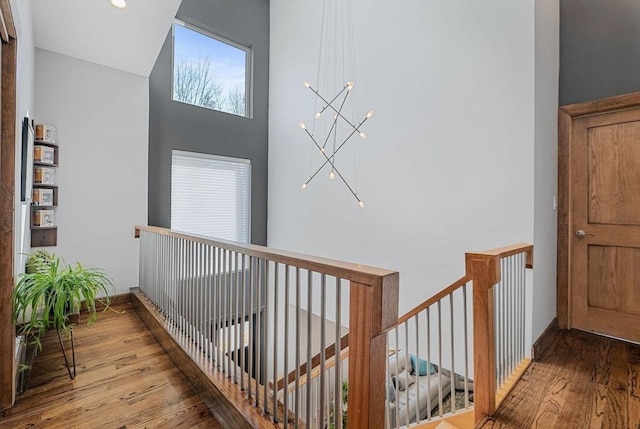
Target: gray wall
<point x="599" y="49"/>
<point x="174" y="125"/>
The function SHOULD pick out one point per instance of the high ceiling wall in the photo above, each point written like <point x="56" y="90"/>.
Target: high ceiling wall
<point x="599" y="49"/>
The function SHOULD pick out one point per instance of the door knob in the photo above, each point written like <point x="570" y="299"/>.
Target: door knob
<point x="580" y="233"/>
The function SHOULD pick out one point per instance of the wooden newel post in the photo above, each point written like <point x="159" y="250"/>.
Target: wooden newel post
<point x="485" y="272"/>
<point x="373" y="310"/>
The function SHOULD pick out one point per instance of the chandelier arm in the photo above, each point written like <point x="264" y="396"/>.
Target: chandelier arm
<point x="328" y="160"/>
<point x="339" y="113"/>
<point x="322" y="98"/>
<point x="328" y="104"/>
<point x="346" y="184"/>
<point x="322" y="152"/>
<point x="339" y="147"/>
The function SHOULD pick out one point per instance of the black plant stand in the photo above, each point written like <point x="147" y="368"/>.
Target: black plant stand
<point x="73" y="353"/>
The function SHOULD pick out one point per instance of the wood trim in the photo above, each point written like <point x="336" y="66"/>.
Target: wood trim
<point x="511" y="382"/>
<point x="361" y="274"/>
<point x="7" y="200"/>
<point x="224" y="399"/>
<point x="562" y="276"/>
<point x="435" y="298"/>
<point x="485" y="271"/>
<point x="315" y="371"/>
<point x="544" y="341"/>
<point x="372" y="312"/>
<point x="463" y="420"/>
<point x="603" y="105"/>
<point x="514" y="249"/>
<point x="114" y="300"/>
<point x="368" y="349"/>
<point x="330" y="352"/>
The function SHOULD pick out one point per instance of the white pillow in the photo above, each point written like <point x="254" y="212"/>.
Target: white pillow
<point x="403" y="380"/>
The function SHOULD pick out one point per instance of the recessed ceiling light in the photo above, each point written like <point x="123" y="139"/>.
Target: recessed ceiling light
<point x="120" y="4"/>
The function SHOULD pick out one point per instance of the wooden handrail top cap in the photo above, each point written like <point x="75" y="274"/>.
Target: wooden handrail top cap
<point x="362" y="274"/>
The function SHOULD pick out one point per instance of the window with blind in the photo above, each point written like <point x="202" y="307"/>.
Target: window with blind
<point x="211" y="195"/>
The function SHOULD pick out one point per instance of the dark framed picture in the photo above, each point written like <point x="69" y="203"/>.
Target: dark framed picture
<point x="26" y="178"/>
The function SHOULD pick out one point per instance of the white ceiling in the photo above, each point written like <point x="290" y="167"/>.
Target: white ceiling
<point x="127" y="39"/>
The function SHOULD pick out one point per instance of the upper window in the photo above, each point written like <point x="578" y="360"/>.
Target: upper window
<point x="210" y="71"/>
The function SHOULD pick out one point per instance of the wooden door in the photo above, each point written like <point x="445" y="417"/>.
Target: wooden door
<point x="603" y="233"/>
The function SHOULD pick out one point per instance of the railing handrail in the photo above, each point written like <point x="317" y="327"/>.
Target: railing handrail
<point x="483" y="268"/>
<point x="330" y="352"/>
<point x="362" y="274"/>
<point x="434" y="299"/>
<point x="500" y="252"/>
<point x="373" y="309"/>
<point x="506" y="251"/>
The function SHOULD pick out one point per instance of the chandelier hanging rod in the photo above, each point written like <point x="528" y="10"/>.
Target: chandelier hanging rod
<point x="334" y="123"/>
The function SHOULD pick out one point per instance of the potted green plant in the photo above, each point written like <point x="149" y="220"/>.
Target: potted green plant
<point x="51" y="292"/>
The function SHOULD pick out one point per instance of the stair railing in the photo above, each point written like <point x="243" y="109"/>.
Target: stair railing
<point x="269" y="321"/>
<point x="458" y="353"/>
<point x="257" y="314"/>
<point x="499" y="321"/>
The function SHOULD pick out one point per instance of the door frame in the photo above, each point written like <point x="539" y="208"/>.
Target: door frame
<point x="566" y="115"/>
<point x="8" y="119"/>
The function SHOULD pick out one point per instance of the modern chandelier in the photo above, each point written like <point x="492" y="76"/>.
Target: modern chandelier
<point x="335" y="118"/>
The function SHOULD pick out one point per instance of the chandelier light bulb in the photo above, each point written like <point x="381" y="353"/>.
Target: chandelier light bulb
<point x="302" y="125"/>
<point x="120" y="4"/>
<point x="332" y="175"/>
<point x="349" y="86"/>
<point x="363" y="136"/>
<point x="303" y="187"/>
<point x="369" y="114"/>
<point x="317" y="115"/>
<point x="306" y="84"/>
<point x="361" y="204"/>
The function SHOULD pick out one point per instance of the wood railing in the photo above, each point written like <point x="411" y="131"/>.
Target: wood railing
<point x="218" y="293"/>
<point x="486" y="271"/>
<point x="329" y="352"/>
<point x="437" y="332"/>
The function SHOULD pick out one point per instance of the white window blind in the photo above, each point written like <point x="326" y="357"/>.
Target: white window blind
<point x="211" y="195"/>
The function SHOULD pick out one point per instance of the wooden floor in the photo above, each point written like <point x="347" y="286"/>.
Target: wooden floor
<point x="124" y="380"/>
<point x="581" y="381"/>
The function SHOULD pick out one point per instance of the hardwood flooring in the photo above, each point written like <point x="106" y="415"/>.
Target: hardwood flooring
<point x="580" y="381"/>
<point x="124" y="380"/>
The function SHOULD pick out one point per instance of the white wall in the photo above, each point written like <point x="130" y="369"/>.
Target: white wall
<point x="25" y="107"/>
<point x="547" y="57"/>
<point x="101" y="118"/>
<point x="449" y="163"/>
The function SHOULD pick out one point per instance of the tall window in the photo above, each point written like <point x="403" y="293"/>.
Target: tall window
<point x="210" y="71"/>
<point x="211" y="195"/>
